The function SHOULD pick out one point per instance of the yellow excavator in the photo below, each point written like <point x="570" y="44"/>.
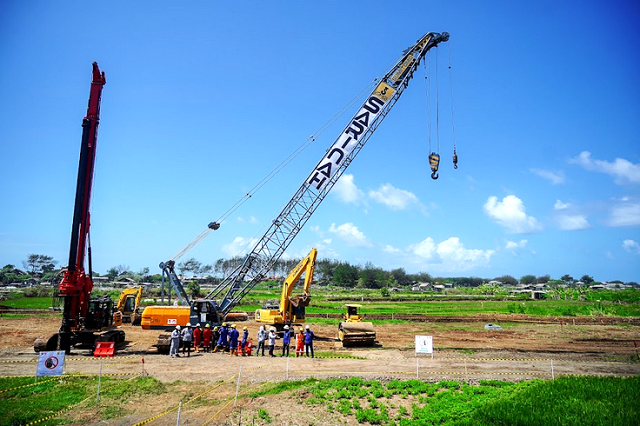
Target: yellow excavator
<point x="291" y="309"/>
<point x="353" y="331"/>
<point x="129" y="305"/>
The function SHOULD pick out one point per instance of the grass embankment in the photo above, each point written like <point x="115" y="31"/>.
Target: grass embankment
<point x="565" y="401"/>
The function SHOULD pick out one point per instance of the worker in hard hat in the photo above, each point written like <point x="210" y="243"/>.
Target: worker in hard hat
<point x="175" y="342"/>
<point x="286" y="340"/>
<point x="243" y="342"/>
<point x="197" y="337"/>
<point x="214" y="339"/>
<point x="223" y="340"/>
<point x="272" y="340"/>
<point x="300" y="342"/>
<point x="206" y="338"/>
<point x="233" y="340"/>
<point x="262" y="337"/>
<point x="187" y="338"/>
<point x="308" y="341"/>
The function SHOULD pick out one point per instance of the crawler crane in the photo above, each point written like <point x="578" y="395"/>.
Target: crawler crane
<point x="286" y="226"/>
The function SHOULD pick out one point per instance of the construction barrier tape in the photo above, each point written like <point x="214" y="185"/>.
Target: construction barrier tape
<point x="29" y="385"/>
<point x="171" y="410"/>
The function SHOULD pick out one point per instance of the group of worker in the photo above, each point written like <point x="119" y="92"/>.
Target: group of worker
<point x="225" y="339"/>
<point x="304" y="341"/>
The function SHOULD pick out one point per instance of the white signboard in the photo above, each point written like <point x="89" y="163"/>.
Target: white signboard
<point x="50" y="363"/>
<point x="424" y="344"/>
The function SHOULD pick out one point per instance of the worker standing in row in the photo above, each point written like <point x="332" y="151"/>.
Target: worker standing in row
<point x="243" y="342"/>
<point x="308" y="341"/>
<point x="187" y="337"/>
<point x="300" y="343"/>
<point x="197" y="337"/>
<point x="223" y="341"/>
<point x="175" y="342"/>
<point x="286" y="340"/>
<point x="215" y="337"/>
<point x="233" y="340"/>
<point x="272" y="340"/>
<point x="262" y="336"/>
<point x="206" y="337"/>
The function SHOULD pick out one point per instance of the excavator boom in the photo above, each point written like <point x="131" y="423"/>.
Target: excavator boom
<point x="291" y="309"/>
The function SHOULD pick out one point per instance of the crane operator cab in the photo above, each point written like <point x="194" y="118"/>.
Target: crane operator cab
<point x="204" y="311"/>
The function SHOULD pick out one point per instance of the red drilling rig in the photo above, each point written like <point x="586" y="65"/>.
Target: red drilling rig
<point x="85" y="320"/>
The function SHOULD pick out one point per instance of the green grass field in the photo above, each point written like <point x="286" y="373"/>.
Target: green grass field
<point x="564" y="401"/>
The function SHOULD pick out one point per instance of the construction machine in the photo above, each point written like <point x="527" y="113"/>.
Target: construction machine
<point x="313" y="190"/>
<point x="85" y="320"/>
<point x="129" y="305"/>
<point x="291" y="309"/>
<point x="354" y="331"/>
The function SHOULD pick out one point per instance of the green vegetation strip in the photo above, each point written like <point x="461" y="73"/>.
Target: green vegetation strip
<point x="566" y="401"/>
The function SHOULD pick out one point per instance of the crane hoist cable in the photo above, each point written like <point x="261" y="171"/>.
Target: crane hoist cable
<point x="453" y="129"/>
<point x="212" y="226"/>
<point x="434" y="156"/>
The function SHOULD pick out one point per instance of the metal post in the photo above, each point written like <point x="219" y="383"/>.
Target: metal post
<point x="553" y="376"/>
<point x="99" y="380"/>
<point x="179" y="412"/>
<point x="235" y="402"/>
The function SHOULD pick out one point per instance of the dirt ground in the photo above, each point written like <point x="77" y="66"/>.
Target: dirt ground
<point x="525" y="348"/>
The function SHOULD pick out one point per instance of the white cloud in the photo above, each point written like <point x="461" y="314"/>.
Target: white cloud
<point x="510" y="213"/>
<point x="394" y="198"/>
<point x="568" y="222"/>
<point x="449" y="255"/>
<point x="622" y="170"/>
<point x="426" y="249"/>
<point x="627" y="214"/>
<point x="350" y="233"/>
<point x="252" y="220"/>
<point x="347" y="191"/>
<point x="514" y="246"/>
<point x="239" y="246"/>
<point x="555" y="178"/>
<point x="391" y="249"/>
<point x="631" y="246"/>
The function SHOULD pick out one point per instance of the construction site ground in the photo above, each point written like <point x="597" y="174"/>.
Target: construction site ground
<point x="525" y="348"/>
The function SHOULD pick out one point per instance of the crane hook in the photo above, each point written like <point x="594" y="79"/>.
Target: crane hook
<point x="434" y="162"/>
<point x="455" y="159"/>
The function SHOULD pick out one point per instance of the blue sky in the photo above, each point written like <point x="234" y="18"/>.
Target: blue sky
<point x="203" y="99"/>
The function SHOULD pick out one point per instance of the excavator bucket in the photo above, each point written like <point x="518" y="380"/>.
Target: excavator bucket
<point x="302" y="300"/>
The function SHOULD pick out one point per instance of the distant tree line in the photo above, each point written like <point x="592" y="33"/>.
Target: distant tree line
<point x="327" y="272"/>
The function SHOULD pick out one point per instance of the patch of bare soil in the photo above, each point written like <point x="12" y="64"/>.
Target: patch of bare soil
<point x="464" y="350"/>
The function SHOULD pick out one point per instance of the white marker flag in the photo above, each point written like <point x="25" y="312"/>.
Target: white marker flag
<point x="50" y="363"/>
<point x="424" y="344"/>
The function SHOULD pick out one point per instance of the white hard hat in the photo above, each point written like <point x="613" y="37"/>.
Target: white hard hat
<point x="307" y="327"/>
<point x="262" y="327"/>
<point x="188" y="324"/>
<point x="198" y="325"/>
<point x="286" y="327"/>
<point x="272" y="329"/>
<point x="177" y="327"/>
